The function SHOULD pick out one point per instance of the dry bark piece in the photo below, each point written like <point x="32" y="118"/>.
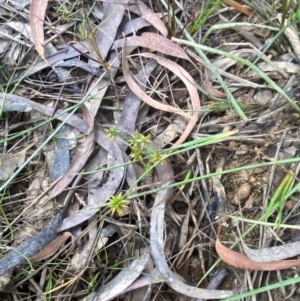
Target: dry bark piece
<point x="82" y="255"/>
<point x="82" y="154"/>
<point x="32" y="246"/>
<point x="58" y="160"/>
<point x="216" y="280"/>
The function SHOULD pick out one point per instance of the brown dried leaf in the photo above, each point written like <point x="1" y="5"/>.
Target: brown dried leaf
<point x="242" y="261"/>
<point x="9" y="163"/>
<point x="157" y="245"/>
<point x="37" y="17"/>
<point x="52" y="248"/>
<point x="154" y="42"/>
<point x="139" y="92"/>
<point x="141" y="9"/>
<point x="189" y="83"/>
<point x="113" y="13"/>
<point x="209" y="88"/>
<point x="242" y="8"/>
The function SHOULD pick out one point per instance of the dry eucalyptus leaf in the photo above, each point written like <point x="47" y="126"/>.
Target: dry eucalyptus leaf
<point x="165" y="175"/>
<point x="273" y="253"/>
<point x="183" y="75"/>
<point x="272" y="70"/>
<point x="113" y="14"/>
<point x="242" y="261"/>
<point x="52" y="248"/>
<point x="37" y="17"/>
<point x="140" y="8"/>
<point x="292" y="36"/>
<point x="133" y="25"/>
<point x="9" y="163"/>
<point x="5" y="42"/>
<point x="11" y="102"/>
<point x="122" y="281"/>
<point x="22" y="28"/>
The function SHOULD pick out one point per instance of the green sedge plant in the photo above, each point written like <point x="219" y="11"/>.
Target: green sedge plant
<point x="205" y="13"/>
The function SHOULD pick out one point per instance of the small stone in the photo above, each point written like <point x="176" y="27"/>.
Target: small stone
<point x="249" y="203"/>
<point x="243" y="194"/>
<point x="288" y="205"/>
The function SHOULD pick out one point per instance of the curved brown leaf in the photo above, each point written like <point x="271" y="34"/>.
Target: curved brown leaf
<point x="242" y="261"/>
<point x="139" y="92"/>
<point x="52" y="248"/>
<point x="242" y="8"/>
<point x="37" y="17"/>
<point x="155" y="42"/>
<point x="183" y="75"/>
<point x="189" y="83"/>
<point x="141" y="9"/>
<point x="210" y="89"/>
<point x="157" y="245"/>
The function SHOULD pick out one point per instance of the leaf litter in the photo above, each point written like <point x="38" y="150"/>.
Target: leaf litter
<point x="112" y="43"/>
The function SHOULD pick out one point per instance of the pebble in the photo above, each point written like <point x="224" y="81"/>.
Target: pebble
<point x="242" y="194"/>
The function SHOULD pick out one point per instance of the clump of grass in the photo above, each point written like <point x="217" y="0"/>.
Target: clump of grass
<point x="142" y="151"/>
<point x="118" y="204"/>
<point x="207" y="11"/>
